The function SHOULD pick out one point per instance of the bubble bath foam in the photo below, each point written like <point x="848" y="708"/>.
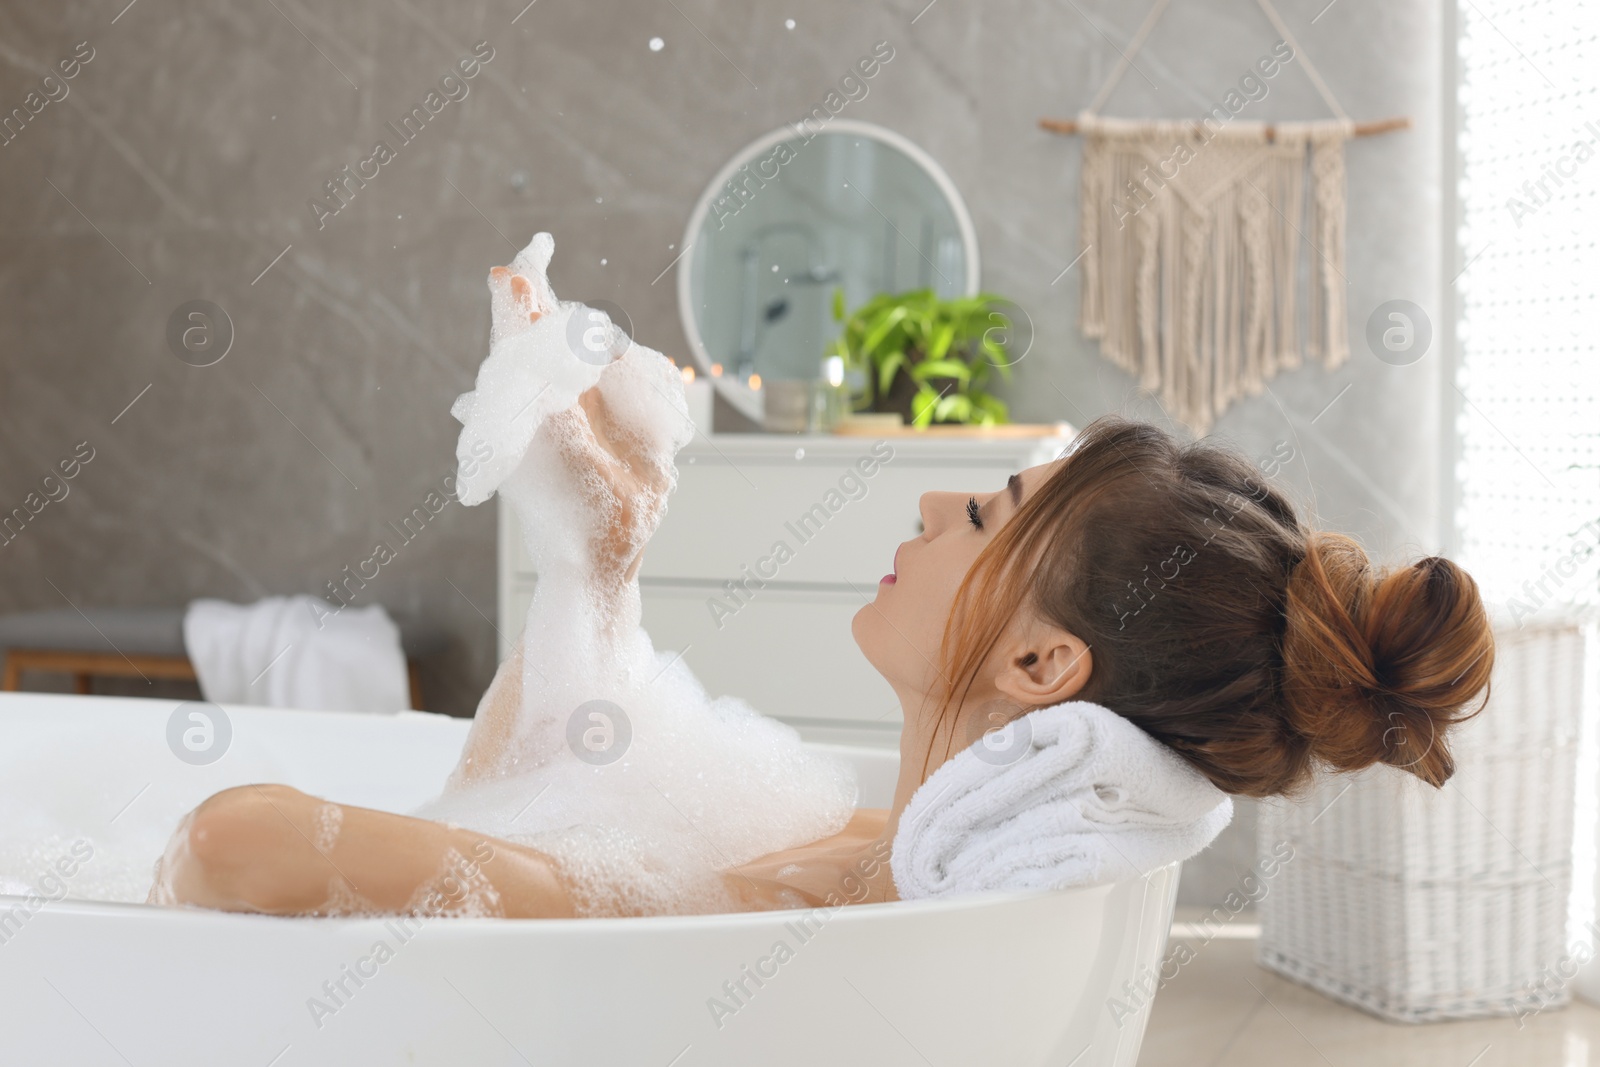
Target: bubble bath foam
<point x="618" y="765"/>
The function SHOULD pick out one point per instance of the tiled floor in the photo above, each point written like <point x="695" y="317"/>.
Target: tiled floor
<point x="1222" y="1010"/>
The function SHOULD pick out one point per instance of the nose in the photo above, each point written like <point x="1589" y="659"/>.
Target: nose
<point x="936" y="510"/>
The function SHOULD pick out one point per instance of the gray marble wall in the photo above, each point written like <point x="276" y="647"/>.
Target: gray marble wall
<point x="181" y="163"/>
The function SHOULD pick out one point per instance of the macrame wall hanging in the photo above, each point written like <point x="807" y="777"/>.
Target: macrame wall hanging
<point x="1199" y="235"/>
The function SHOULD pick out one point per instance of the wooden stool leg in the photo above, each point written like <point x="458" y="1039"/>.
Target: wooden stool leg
<point x="415" y="678"/>
<point x="81" y="684"/>
<point x="13" y="675"/>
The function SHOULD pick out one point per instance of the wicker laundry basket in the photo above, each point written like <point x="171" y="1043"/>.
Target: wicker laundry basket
<point x="1418" y="904"/>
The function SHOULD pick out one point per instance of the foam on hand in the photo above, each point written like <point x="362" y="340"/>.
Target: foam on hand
<point x="677" y="786"/>
<point x="530" y="375"/>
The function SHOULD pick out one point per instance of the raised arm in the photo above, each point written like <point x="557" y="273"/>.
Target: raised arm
<point x="622" y="484"/>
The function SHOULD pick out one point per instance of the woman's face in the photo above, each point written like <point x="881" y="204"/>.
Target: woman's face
<point x="900" y="631"/>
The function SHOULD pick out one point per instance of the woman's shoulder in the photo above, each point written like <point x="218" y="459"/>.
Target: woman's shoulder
<point x="851" y="867"/>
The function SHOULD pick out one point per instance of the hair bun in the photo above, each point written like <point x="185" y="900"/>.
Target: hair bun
<point x="1378" y="665"/>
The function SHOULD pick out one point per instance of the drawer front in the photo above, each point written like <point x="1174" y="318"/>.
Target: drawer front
<point x="786" y="653"/>
<point x="813" y="522"/>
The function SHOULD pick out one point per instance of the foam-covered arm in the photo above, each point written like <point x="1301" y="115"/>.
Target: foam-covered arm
<point x="612" y="447"/>
<point x="574" y="424"/>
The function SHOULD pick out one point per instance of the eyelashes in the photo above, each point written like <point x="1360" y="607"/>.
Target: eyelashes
<point x="972" y="513"/>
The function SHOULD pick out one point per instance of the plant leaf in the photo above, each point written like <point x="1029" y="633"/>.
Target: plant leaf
<point x="886" y="370"/>
<point x="881" y="330"/>
<point x="956" y="407"/>
<point x="941" y="368"/>
<point x="955" y="341"/>
<point x="991" y="410"/>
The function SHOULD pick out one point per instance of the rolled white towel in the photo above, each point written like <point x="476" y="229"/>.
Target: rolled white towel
<point x="1064" y="796"/>
<point x="297" y="652"/>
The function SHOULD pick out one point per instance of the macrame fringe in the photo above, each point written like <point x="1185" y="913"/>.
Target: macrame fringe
<point x="1196" y="245"/>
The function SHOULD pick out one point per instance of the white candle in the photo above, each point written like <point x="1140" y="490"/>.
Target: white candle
<point x="698" y="392"/>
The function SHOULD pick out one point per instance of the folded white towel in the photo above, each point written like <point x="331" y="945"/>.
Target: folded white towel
<point x="297" y="652"/>
<point x="1068" y="795"/>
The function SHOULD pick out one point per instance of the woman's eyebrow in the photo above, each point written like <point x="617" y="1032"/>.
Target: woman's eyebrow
<point x="1014" y="488"/>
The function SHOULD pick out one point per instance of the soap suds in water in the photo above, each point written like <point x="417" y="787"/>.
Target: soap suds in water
<point x="460" y="889"/>
<point x="344" y="901"/>
<point x="116" y="789"/>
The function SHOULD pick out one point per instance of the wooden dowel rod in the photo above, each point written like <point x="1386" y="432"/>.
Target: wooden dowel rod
<point x="1362" y="129"/>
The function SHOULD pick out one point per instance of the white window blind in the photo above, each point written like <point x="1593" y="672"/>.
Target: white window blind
<point x="1529" y="370"/>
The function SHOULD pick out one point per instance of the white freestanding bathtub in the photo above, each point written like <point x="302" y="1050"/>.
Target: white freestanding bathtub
<point x="1012" y="981"/>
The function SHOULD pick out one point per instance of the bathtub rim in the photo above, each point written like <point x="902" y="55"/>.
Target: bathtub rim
<point x="479" y="926"/>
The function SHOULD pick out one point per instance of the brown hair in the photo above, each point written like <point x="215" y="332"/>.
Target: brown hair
<point x="1255" y="648"/>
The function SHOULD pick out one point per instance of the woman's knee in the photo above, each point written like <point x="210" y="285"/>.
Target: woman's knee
<point x="238" y="837"/>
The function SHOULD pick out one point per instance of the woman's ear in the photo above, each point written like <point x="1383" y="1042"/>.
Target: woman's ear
<point x="1044" y="665"/>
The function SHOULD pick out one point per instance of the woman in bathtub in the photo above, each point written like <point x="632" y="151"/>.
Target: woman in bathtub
<point x="1272" y="651"/>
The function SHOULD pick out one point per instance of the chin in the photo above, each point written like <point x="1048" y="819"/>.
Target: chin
<point x="858" y="625"/>
<point x="862" y="628"/>
<point x="884" y="646"/>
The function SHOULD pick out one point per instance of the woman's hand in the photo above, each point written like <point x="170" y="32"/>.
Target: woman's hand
<point x="622" y="482"/>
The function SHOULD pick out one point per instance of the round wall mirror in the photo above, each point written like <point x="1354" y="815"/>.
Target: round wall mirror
<point x="795" y="217"/>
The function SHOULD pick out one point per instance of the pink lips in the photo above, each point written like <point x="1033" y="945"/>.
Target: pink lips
<point x="889" y="579"/>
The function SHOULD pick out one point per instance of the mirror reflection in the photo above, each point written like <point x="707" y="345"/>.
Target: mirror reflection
<point x="794" y="222"/>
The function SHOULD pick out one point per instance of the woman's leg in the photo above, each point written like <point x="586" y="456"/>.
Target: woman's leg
<point x="274" y="849"/>
<point x="489" y="742"/>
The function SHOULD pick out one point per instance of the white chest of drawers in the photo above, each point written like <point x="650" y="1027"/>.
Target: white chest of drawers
<point x="770" y="545"/>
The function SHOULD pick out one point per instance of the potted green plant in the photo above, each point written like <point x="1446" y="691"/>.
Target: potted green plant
<point x="926" y="357"/>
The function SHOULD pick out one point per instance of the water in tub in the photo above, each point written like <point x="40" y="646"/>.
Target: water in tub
<point x="617" y="764"/>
